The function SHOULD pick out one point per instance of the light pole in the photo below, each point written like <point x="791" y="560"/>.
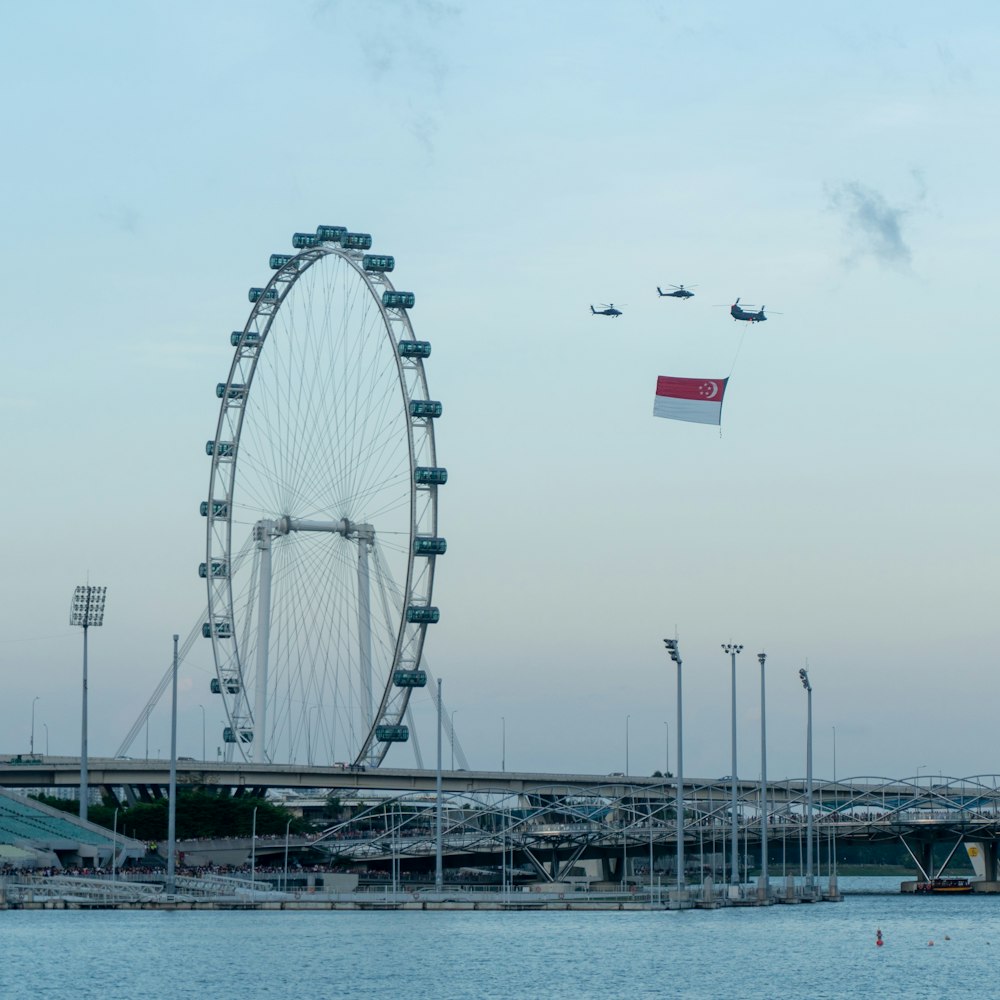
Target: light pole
<point x="804" y="677"/>
<point x="503" y="743"/>
<point x="114" y="846"/>
<point x="833" y="829"/>
<point x="284" y="884"/>
<point x="675" y="655"/>
<point x="86" y="611"/>
<point x="452" y="728"/>
<point x="732" y="649"/>
<point x="438" y="847"/>
<point x="761" y="658"/>
<point x="666" y="748"/>
<point x="202" y="707"/>
<point x="253" y="855"/>
<point x="627" y="717"/>
<point x="32" y="743"/>
<point x="172" y="804"/>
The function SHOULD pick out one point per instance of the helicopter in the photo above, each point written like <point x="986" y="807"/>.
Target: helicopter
<point x="679" y="292"/>
<point x="747" y="315"/>
<point x="607" y="310"/>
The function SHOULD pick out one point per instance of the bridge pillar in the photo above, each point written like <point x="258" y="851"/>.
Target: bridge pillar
<point x="985" y="858"/>
<point x="925" y="852"/>
<point x="608" y="864"/>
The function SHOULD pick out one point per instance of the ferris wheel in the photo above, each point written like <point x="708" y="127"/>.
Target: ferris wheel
<point x="322" y="531"/>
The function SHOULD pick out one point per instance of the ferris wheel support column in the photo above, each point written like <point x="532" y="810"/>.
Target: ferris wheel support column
<point x="365" y="620"/>
<point x="264" y="531"/>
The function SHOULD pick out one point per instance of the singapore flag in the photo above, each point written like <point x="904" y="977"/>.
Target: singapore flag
<point x="696" y="399"/>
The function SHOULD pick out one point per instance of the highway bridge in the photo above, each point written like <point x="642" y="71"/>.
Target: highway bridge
<point x="555" y="820"/>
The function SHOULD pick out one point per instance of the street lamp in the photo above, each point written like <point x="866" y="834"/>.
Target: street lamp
<point x="627" y="717"/>
<point x="666" y="748"/>
<point x="438" y="817"/>
<point x="675" y="655"/>
<point x="503" y="743"/>
<point x="804" y="677"/>
<point x="86" y="611"/>
<point x="171" y="883"/>
<point x="284" y="883"/>
<point x="761" y="658"/>
<point x="114" y="847"/>
<point x="731" y="649"/>
<point x="32" y="743"/>
<point x="253" y="855"/>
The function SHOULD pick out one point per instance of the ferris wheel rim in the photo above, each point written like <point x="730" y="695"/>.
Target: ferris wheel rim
<point x="395" y="326"/>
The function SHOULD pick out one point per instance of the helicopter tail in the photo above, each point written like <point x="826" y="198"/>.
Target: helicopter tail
<point x="660" y="290"/>
<point x="593" y="310"/>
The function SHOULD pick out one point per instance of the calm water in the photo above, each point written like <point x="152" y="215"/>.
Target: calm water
<point x="815" y="951"/>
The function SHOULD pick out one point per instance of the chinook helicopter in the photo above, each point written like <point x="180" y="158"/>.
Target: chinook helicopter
<point x="679" y="292"/>
<point x="748" y="315"/>
<point x="607" y="310"/>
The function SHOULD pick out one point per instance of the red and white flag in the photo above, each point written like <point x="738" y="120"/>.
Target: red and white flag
<point x="696" y="399"/>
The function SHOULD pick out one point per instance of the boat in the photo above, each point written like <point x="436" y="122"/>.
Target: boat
<point x="945" y="886"/>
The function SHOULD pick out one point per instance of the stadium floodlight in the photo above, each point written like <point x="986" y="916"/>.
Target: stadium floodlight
<point x="86" y="612"/>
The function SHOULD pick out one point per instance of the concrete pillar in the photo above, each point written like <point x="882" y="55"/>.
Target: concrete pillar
<point x="990" y="852"/>
<point x="926" y="856"/>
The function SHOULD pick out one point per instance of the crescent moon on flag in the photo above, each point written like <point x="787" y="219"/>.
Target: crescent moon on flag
<point x="715" y="389"/>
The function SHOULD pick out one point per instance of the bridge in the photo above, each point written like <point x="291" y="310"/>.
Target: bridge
<point x="555" y="820"/>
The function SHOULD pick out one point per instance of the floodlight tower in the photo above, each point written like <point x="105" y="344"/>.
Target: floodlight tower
<point x="804" y="677"/>
<point x="732" y="649"/>
<point x="86" y="611"/>
<point x="675" y="655"/>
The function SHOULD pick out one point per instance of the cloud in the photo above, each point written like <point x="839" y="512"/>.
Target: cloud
<point x="122" y="218"/>
<point x="874" y="226"/>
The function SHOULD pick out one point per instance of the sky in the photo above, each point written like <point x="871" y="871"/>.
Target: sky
<point x="833" y="162"/>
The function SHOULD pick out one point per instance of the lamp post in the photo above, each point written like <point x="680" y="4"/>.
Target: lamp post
<point x="114" y="846"/>
<point x="438" y="847"/>
<point x="732" y="649"/>
<point x="627" y="717"/>
<point x="31" y="745"/>
<point x="503" y="743"/>
<point x="284" y="883"/>
<point x="666" y="748"/>
<point x="804" y="677"/>
<point x="761" y="658"/>
<point x="203" y="756"/>
<point x="86" y="611"/>
<point x="833" y="829"/>
<point x="172" y="804"/>
<point x="253" y="855"/>
<point x="675" y="655"/>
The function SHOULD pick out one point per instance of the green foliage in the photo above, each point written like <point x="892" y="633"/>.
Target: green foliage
<point x="200" y="813"/>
